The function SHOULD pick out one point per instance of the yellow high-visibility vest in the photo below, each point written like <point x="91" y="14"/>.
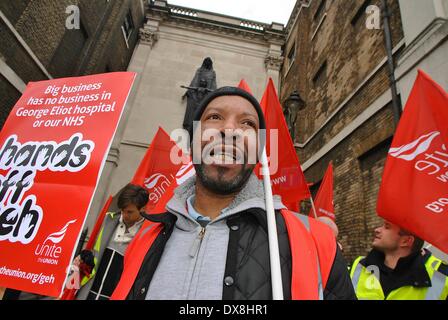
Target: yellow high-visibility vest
<point x="96" y="251"/>
<point x="367" y="285"/>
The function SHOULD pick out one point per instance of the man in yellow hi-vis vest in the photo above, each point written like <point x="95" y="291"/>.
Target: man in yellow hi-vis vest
<point x="398" y="269"/>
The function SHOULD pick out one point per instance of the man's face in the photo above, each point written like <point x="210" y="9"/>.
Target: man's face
<point x="387" y="237"/>
<point x="228" y="157"/>
<point x="77" y="261"/>
<point x="131" y="214"/>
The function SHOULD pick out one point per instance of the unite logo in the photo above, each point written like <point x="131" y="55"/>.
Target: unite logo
<point x="431" y="161"/>
<point x="158" y="183"/>
<point x="184" y="173"/>
<point x="411" y="150"/>
<point x="47" y="253"/>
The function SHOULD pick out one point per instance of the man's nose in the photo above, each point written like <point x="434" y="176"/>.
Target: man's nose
<point x="229" y="132"/>
<point x="229" y="124"/>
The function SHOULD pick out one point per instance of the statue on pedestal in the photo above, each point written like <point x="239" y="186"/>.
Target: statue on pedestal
<point x="204" y="81"/>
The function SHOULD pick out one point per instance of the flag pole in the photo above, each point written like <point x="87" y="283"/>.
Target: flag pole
<point x="274" y="254"/>
<point x="314" y="208"/>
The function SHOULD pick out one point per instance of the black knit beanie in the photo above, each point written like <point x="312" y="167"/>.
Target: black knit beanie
<point x="230" y="91"/>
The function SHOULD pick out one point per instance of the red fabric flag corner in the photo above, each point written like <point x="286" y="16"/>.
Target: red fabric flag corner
<point x="243" y="85"/>
<point x="324" y="203"/>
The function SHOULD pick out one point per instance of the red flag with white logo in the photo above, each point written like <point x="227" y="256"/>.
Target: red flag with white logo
<point x="414" y="188"/>
<point x="324" y="199"/>
<point x="287" y="176"/>
<point x="161" y="171"/>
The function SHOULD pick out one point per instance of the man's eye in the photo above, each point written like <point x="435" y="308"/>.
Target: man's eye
<point x="249" y="123"/>
<point x="213" y="117"/>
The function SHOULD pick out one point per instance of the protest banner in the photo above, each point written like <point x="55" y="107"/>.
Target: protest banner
<point x="53" y="147"/>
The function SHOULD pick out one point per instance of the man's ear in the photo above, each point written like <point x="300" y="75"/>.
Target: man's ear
<point x="143" y="209"/>
<point x="407" y="241"/>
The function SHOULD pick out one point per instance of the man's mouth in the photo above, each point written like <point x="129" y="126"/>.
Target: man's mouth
<point x="223" y="154"/>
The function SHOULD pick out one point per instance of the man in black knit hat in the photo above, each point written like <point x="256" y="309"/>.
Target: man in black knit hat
<point x="213" y="243"/>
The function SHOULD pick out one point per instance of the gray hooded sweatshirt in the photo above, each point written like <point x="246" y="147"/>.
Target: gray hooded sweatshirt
<point x="193" y="263"/>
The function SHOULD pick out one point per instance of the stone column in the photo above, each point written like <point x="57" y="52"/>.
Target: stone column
<point x="273" y="63"/>
<point x="148" y="38"/>
<point x="273" y="66"/>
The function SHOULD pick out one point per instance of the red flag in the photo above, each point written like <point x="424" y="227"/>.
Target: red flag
<point x="414" y="188"/>
<point x="243" y="85"/>
<point x="159" y="174"/>
<point x="324" y="200"/>
<point x="287" y="176"/>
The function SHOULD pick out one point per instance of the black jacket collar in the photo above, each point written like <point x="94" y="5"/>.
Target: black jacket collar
<point x="410" y="270"/>
<point x="168" y="219"/>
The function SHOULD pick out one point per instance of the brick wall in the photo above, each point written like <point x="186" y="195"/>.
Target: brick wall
<point x="350" y="52"/>
<point x="8" y="100"/>
<point x="97" y="47"/>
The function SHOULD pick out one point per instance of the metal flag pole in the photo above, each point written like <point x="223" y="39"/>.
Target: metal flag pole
<point x="314" y="208"/>
<point x="274" y="254"/>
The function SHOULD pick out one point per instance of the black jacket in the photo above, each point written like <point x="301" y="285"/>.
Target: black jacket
<point x="247" y="271"/>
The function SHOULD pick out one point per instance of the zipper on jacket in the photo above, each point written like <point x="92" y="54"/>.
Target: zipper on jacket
<point x="197" y="243"/>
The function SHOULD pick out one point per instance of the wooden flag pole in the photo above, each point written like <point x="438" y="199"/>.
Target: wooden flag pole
<point x="314" y="208"/>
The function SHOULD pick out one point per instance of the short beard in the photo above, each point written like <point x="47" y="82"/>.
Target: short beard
<point x="220" y="186"/>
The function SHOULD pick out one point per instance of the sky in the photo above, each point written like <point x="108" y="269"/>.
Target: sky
<point x="266" y="11"/>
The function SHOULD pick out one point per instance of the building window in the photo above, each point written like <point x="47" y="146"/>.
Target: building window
<point x="361" y="12"/>
<point x="127" y="27"/>
<point x="320" y="10"/>
<point x="319" y="17"/>
<point x="292" y="55"/>
<point x="321" y="75"/>
<point x="371" y="164"/>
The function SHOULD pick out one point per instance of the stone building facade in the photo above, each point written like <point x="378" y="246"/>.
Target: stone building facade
<point x="37" y="45"/>
<point x="173" y="43"/>
<point x="339" y="67"/>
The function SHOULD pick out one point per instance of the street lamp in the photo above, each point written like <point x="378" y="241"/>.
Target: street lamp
<point x="293" y="105"/>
